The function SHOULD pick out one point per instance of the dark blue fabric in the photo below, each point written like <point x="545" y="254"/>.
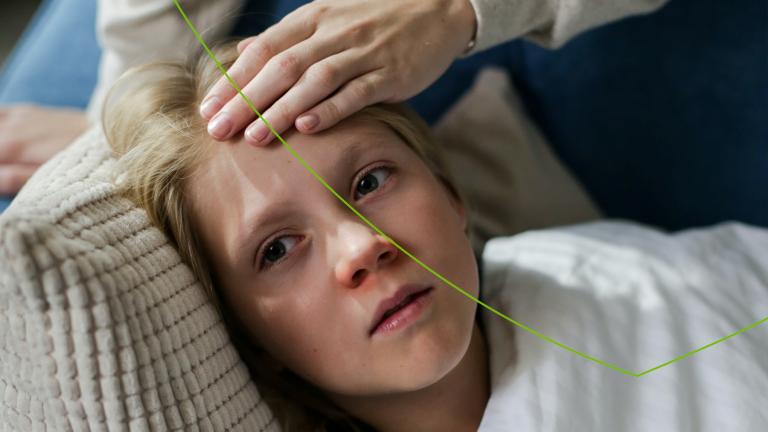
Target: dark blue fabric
<point x="664" y="117"/>
<point x="255" y="17"/>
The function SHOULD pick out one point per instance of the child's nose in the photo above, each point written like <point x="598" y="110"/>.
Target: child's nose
<point x="363" y="251"/>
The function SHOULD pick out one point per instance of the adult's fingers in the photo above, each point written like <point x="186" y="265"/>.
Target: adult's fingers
<point x="319" y="81"/>
<point x="10" y="148"/>
<point x="10" y="145"/>
<point x="23" y="141"/>
<point x="13" y="177"/>
<point x="254" y="55"/>
<point x="243" y="44"/>
<point x="279" y="74"/>
<point x="354" y="96"/>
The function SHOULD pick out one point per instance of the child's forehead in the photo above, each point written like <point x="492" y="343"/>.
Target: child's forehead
<point x="237" y="165"/>
<point x="352" y="135"/>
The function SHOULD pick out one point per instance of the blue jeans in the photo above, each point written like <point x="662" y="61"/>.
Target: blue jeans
<point x="56" y="60"/>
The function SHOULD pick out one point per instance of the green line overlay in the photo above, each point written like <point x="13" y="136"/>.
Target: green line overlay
<point x="424" y="266"/>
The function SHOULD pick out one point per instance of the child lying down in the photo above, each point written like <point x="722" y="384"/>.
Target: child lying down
<point x="343" y="331"/>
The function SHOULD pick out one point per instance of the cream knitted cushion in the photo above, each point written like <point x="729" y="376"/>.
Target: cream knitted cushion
<point x="101" y="326"/>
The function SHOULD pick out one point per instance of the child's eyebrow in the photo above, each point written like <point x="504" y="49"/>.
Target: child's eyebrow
<point x="251" y="229"/>
<point x="349" y="157"/>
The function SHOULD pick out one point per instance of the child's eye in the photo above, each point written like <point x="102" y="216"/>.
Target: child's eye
<point x="277" y="249"/>
<point x="371" y="181"/>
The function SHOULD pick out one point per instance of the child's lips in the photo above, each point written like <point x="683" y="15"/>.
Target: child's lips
<point x="401" y="309"/>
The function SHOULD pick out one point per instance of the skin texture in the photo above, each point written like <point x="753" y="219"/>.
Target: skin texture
<point x="313" y="309"/>
<point x="29" y="136"/>
<point x="331" y="58"/>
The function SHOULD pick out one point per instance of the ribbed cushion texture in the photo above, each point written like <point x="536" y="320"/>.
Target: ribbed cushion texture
<point x="101" y="325"/>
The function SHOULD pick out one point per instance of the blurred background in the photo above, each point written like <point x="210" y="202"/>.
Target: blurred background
<point x="15" y="16"/>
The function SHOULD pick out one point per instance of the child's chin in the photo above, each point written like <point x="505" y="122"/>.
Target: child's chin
<point x="432" y="366"/>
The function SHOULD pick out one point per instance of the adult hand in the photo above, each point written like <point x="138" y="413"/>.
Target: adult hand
<point x="330" y="58"/>
<point x="29" y="136"/>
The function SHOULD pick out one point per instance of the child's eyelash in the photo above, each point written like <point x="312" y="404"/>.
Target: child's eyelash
<point x="362" y="175"/>
<point x="263" y="264"/>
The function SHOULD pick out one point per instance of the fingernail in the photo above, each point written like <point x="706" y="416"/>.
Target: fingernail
<point x="209" y="107"/>
<point x="308" y="122"/>
<point x="220" y="126"/>
<point x="257" y="132"/>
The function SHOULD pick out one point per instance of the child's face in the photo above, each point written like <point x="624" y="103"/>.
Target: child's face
<point x="305" y="275"/>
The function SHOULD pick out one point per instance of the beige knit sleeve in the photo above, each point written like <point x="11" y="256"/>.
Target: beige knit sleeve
<point x="134" y="32"/>
<point x="549" y="23"/>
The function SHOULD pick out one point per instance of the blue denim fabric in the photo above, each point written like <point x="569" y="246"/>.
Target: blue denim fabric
<point x="56" y="60"/>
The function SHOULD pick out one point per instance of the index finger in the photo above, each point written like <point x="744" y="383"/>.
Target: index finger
<point x="251" y="60"/>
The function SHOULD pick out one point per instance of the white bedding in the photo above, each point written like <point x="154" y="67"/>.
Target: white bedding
<point x="636" y="298"/>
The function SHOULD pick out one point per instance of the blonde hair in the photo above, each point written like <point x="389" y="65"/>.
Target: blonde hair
<point x="151" y="121"/>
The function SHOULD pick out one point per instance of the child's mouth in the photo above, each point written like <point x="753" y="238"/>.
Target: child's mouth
<point x="404" y="312"/>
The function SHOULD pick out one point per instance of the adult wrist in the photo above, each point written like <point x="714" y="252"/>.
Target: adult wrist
<point x="465" y="22"/>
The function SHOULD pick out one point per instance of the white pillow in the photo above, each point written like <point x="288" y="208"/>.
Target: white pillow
<point x="101" y="326"/>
